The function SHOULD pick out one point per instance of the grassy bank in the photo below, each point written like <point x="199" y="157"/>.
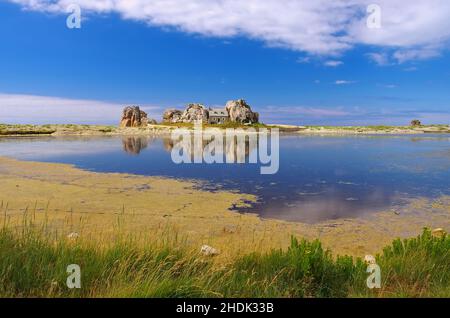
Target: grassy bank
<point x="7" y="130"/>
<point x="34" y="265"/>
<point x="225" y="125"/>
<point x="368" y="130"/>
<point x="70" y="129"/>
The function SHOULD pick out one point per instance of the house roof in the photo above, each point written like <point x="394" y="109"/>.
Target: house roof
<point x="218" y="112"/>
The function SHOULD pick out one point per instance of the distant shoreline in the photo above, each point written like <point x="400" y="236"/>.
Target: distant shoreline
<point x="162" y="129"/>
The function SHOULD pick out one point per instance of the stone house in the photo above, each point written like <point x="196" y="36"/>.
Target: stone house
<point x="218" y="116"/>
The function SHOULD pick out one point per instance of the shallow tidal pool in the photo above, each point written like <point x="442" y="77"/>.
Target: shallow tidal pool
<point x="320" y="178"/>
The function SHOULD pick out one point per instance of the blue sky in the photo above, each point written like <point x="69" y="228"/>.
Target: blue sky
<point x="160" y="57"/>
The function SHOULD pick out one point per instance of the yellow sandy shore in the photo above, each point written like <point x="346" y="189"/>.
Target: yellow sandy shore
<point x="96" y="205"/>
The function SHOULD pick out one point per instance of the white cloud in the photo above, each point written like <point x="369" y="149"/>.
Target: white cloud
<point x="319" y="27"/>
<point x="304" y="60"/>
<point x="328" y="115"/>
<point x="273" y="111"/>
<point x="406" y="24"/>
<point x="390" y="86"/>
<point x="333" y="63"/>
<point x="415" y="54"/>
<point x="344" y="82"/>
<point x="404" y="55"/>
<point x="32" y="109"/>
<point x="410" y="69"/>
<point x="379" y="58"/>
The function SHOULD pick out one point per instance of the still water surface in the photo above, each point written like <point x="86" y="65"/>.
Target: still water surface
<point x="319" y="178"/>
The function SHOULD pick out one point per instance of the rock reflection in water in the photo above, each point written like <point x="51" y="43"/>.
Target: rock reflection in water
<point x="231" y="151"/>
<point x="134" y="145"/>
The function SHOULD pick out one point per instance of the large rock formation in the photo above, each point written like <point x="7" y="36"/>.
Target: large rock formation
<point x="416" y="123"/>
<point x="195" y="112"/>
<point x="192" y="112"/>
<point x="132" y="116"/>
<point x="172" y="116"/>
<point x="239" y="111"/>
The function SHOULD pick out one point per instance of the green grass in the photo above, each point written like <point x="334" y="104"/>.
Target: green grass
<point x="225" y="125"/>
<point x="19" y="130"/>
<point x="25" y="130"/>
<point x="34" y="265"/>
<point x="8" y="130"/>
<point x="381" y="128"/>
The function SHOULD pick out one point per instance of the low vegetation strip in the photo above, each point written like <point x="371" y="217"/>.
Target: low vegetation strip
<point x="71" y="129"/>
<point x="6" y="130"/>
<point x="34" y="265"/>
<point x="27" y="130"/>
